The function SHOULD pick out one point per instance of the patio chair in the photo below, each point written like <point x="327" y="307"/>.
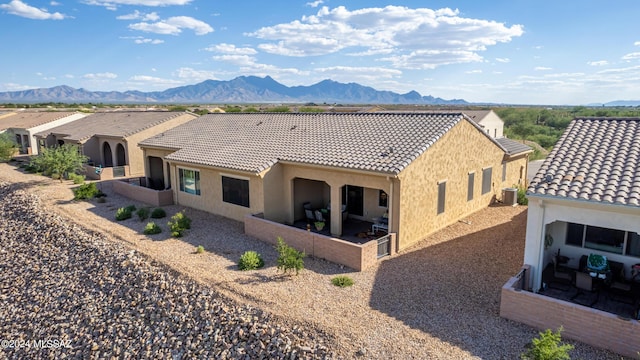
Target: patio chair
<point x="319" y="216"/>
<point x="620" y="288"/>
<point x="308" y="212"/>
<point x="560" y="276"/>
<point x="585" y="285"/>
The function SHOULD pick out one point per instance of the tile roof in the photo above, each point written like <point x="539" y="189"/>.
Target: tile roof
<point x="596" y="159"/>
<point x="475" y="115"/>
<point x="513" y="147"/>
<point x="117" y="124"/>
<point x="378" y="142"/>
<point x="30" y="119"/>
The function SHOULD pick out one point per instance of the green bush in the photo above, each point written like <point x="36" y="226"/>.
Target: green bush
<point x="548" y="347"/>
<point x="77" y="178"/>
<point x="55" y="176"/>
<point x="289" y="259"/>
<point x="250" y="260"/>
<point x="178" y="224"/>
<point x="158" y="213"/>
<point x="131" y="208"/>
<point x="199" y="249"/>
<point x="522" y="196"/>
<point x="143" y="213"/>
<point x="123" y="213"/>
<point x="86" y="191"/>
<point x="152" y="228"/>
<point x="342" y="281"/>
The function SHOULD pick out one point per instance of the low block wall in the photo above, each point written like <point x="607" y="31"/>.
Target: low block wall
<point x="591" y="326"/>
<point x="355" y="256"/>
<point x="106" y="174"/>
<point x="143" y="194"/>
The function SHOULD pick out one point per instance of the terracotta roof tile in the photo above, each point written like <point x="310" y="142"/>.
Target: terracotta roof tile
<point x="596" y="159"/>
<point x="379" y="142"/>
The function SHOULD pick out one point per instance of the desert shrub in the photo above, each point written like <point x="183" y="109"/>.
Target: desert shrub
<point x="77" y="178"/>
<point x="522" y="196"/>
<point x="178" y="224"/>
<point x="123" y="213"/>
<point x="289" y="259"/>
<point x="548" y="347"/>
<point x="152" y="228"/>
<point x="86" y="191"/>
<point x="250" y="260"/>
<point x="55" y="176"/>
<point x="199" y="249"/>
<point x="342" y="281"/>
<point x="143" y="213"/>
<point x="131" y="208"/>
<point x="158" y="213"/>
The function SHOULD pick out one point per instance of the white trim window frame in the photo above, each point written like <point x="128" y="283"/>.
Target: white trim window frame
<point x="189" y="180"/>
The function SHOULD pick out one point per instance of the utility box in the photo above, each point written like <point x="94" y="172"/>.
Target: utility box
<point x="510" y="196"/>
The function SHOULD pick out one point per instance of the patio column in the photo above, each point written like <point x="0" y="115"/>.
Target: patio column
<point x="336" y="207"/>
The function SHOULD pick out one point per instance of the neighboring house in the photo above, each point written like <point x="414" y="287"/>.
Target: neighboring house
<point x="110" y="139"/>
<point x="488" y="120"/>
<point x="427" y="170"/>
<point x="584" y="199"/>
<point x="24" y="125"/>
<point x="586" y="196"/>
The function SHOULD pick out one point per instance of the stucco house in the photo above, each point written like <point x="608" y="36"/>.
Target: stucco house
<point x="25" y="124"/>
<point x="584" y="200"/>
<point x="425" y="170"/>
<point x="110" y="139"/>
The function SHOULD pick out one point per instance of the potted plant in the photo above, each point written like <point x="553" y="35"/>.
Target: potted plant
<point x="319" y="225"/>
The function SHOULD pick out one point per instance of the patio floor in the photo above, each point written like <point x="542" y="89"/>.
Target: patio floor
<point x="623" y="306"/>
<point x="353" y="230"/>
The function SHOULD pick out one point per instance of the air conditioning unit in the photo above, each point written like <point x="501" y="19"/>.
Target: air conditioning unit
<point x="510" y="196"/>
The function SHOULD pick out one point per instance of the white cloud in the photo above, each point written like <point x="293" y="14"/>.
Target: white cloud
<point x="137" y="15"/>
<point x="598" y="63"/>
<point x="430" y="59"/>
<point x="17" y="7"/>
<point x="189" y="74"/>
<point x="473" y="72"/>
<point x="631" y="56"/>
<point x="113" y="4"/>
<point x="542" y="68"/>
<point x="637" y="43"/>
<point x="357" y="74"/>
<point x="15" y="87"/>
<point x="315" y="3"/>
<point x="503" y="60"/>
<point x="174" y="26"/>
<point x="152" y="81"/>
<point x="408" y="35"/>
<point x="224" y="48"/>
<point x="54" y="3"/>
<point x="240" y="60"/>
<point x="249" y="66"/>
<point x="100" y="76"/>
<point x="148" y="41"/>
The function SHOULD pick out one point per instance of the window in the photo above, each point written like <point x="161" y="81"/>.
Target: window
<point x="470" y="186"/>
<point x="575" y="234"/>
<point x="603" y="239"/>
<point x="633" y="244"/>
<point x="442" y="189"/>
<point x="189" y="181"/>
<point x="486" y="180"/>
<point x="383" y="200"/>
<point x="235" y="191"/>
<point x="504" y="171"/>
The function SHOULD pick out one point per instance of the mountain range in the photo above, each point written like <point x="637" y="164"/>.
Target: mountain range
<point x="243" y="89"/>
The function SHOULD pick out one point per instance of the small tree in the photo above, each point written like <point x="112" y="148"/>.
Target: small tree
<point x="8" y="147"/>
<point x="548" y="347"/>
<point x="289" y="259"/>
<point x="62" y="160"/>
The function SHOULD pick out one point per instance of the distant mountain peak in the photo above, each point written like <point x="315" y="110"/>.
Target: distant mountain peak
<point x="242" y="89"/>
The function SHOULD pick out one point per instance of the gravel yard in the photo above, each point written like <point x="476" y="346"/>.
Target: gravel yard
<point x="437" y="300"/>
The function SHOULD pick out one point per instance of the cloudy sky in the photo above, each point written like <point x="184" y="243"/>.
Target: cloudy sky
<point x="503" y="51"/>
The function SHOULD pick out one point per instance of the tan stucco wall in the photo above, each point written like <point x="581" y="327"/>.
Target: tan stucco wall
<point x="135" y="157"/>
<point x="335" y="179"/>
<point x="210" y="198"/>
<point x="493" y="125"/>
<point x="462" y="150"/>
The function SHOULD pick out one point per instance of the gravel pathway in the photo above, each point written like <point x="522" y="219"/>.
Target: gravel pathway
<point x="436" y="300"/>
